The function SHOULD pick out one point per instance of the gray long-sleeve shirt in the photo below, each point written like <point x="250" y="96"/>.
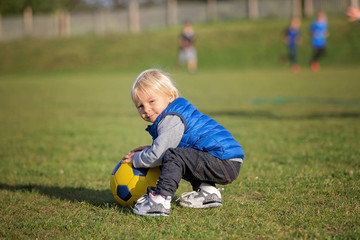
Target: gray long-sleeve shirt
<point x="170" y="131"/>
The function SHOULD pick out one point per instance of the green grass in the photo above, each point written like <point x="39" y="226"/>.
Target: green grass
<point x="62" y="133"/>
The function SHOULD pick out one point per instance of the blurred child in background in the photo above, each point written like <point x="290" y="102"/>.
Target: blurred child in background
<point x="319" y="33"/>
<point x="186" y="143"/>
<point x="187" y="50"/>
<point x="292" y="39"/>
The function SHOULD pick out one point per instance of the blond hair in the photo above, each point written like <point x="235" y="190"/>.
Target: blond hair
<point x="153" y="80"/>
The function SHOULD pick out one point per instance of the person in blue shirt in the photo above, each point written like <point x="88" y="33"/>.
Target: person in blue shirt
<point x="292" y="39"/>
<point x="319" y="33"/>
<point x="186" y="143"/>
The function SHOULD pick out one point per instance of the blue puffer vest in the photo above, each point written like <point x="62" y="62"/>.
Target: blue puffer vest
<point x="201" y="132"/>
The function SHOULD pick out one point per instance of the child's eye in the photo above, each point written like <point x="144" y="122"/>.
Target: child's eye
<point x="140" y="106"/>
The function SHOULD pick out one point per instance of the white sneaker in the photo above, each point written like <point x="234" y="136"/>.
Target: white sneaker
<point x="205" y="197"/>
<point x="153" y="204"/>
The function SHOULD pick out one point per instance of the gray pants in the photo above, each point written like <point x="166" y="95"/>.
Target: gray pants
<point x="195" y="167"/>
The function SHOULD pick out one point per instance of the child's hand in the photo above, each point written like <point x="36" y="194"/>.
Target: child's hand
<point x="353" y="13"/>
<point x="128" y="158"/>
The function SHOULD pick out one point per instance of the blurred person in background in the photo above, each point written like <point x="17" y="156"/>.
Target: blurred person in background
<point x="353" y="13"/>
<point x="319" y="33"/>
<point x="292" y="39"/>
<point x="187" y="50"/>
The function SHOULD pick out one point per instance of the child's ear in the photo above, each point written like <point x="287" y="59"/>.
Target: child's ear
<point x="171" y="97"/>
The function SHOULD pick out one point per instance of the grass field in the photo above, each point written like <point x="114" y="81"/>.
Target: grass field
<point x="62" y="133"/>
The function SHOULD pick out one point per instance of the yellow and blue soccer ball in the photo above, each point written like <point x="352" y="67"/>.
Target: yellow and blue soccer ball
<point x="128" y="184"/>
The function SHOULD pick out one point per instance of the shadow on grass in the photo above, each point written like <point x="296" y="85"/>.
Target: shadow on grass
<point x="270" y="115"/>
<point x="98" y="198"/>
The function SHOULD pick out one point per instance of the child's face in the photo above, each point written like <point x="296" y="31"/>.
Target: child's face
<point x="150" y="106"/>
<point x="321" y="16"/>
<point x="295" y="23"/>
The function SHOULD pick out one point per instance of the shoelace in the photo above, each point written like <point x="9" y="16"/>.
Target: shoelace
<point x="185" y="194"/>
<point x="142" y="199"/>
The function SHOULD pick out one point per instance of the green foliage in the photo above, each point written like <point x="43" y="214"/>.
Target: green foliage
<point x="229" y="45"/>
<point x="62" y="133"/>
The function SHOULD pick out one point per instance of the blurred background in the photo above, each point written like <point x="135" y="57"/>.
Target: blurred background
<point x="59" y="18"/>
<point x="137" y="34"/>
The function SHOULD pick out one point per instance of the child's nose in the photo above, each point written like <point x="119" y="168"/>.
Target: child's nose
<point x="146" y="109"/>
